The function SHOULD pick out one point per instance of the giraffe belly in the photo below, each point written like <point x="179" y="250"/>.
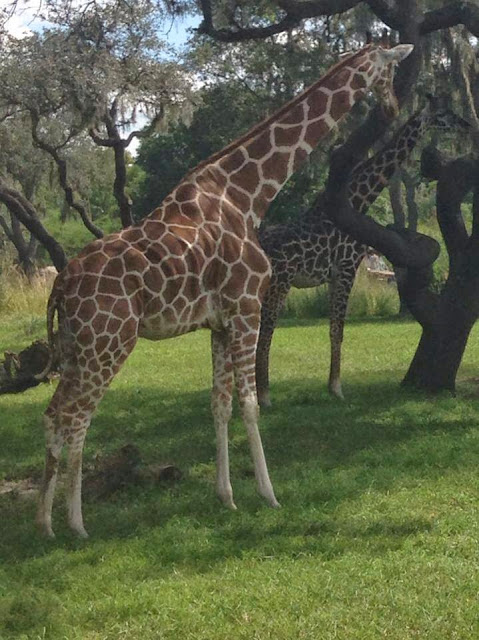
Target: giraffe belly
<point x="303" y="281"/>
<point x="174" y="320"/>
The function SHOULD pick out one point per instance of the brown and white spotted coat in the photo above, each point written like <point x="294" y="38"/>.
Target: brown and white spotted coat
<point x="312" y="251"/>
<point x="194" y="262"/>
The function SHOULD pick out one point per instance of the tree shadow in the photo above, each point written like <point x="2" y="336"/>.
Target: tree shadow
<point x="324" y="456"/>
<point x="313" y="431"/>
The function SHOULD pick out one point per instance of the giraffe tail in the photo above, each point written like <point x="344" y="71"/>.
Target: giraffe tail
<point x="54" y="306"/>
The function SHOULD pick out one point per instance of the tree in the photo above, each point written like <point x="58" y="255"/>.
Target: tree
<point x="94" y="72"/>
<point x="414" y="21"/>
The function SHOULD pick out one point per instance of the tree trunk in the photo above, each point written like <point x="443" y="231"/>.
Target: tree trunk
<point x="447" y="319"/>
<point x="119" y="186"/>
<point x="444" y="340"/>
<point x="25" y="212"/>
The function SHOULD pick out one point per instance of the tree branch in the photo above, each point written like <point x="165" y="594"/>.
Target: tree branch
<point x="404" y="248"/>
<point x="26" y="214"/>
<point x="454" y="13"/>
<point x="6" y="229"/>
<point x="146" y="131"/>
<point x="294" y="13"/>
<point x="63" y="176"/>
<point x="97" y="139"/>
<point x="385" y="12"/>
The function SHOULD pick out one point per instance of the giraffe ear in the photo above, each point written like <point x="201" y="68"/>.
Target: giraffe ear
<point x="396" y="54"/>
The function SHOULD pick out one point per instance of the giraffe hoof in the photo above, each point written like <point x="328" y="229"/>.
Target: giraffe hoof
<point x="274" y="504"/>
<point x="80" y="532"/>
<point x="46" y="531"/>
<point x="336" y="391"/>
<point x="265" y="402"/>
<point x="227" y="500"/>
<point x="229" y="504"/>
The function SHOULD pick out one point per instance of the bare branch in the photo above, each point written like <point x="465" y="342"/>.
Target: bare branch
<point x="63" y="176"/>
<point x="402" y="247"/>
<point x="26" y="214"/>
<point x="148" y="130"/>
<point x="97" y="139"/>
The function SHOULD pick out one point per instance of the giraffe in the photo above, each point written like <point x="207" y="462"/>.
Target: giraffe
<point x="311" y="251"/>
<point x="195" y="262"/>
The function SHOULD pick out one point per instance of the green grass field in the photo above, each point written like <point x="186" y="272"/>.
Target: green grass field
<point x="378" y="532"/>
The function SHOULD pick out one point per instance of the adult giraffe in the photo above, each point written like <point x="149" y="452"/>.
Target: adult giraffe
<point x="312" y="251"/>
<point x="194" y="262"/>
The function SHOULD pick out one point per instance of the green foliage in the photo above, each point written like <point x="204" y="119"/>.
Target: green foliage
<point x="72" y="234"/>
<point x="242" y="86"/>
<point x="377" y="535"/>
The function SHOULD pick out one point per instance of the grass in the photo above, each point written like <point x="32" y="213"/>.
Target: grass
<point x="377" y="535"/>
<point x="21" y="297"/>
<point x="369" y="299"/>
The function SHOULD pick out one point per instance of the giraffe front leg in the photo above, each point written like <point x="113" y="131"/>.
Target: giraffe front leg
<point x="221" y="406"/>
<point x="340" y="289"/>
<point x="243" y="351"/>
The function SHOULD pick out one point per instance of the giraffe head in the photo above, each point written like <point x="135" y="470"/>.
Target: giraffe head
<point x="441" y="117"/>
<point x="384" y="62"/>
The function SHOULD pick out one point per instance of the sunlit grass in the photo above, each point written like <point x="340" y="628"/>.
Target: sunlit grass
<point x="376" y="538"/>
<point x="18" y="295"/>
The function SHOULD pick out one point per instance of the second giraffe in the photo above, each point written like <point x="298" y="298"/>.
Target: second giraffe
<point x="312" y="251"/>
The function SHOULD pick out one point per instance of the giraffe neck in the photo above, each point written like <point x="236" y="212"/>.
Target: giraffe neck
<point x="249" y="173"/>
<point x="371" y="176"/>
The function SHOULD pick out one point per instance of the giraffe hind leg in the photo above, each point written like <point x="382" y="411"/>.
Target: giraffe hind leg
<point x="221" y="405"/>
<point x="54" y="444"/>
<point x="67" y="420"/>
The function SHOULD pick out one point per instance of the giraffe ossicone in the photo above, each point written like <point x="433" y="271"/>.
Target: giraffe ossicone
<point x="311" y="250"/>
<point x="194" y="262"/>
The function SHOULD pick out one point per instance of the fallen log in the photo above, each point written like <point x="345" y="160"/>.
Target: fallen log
<point x="28" y="368"/>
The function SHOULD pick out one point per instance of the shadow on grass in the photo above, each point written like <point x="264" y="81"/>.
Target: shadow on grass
<point x="324" y="457"/>
<point x="307" y="433"/>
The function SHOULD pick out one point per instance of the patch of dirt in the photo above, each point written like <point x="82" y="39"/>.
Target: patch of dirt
<point x="111" y="473"/>
<point x="24" y="488"/>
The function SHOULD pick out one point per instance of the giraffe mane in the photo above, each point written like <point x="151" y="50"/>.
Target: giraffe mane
<point x="277" y="114"/>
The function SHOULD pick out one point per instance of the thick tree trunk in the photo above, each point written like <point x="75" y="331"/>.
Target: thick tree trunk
<point x="444" y="339"/>
<point x="447" y="319"/>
